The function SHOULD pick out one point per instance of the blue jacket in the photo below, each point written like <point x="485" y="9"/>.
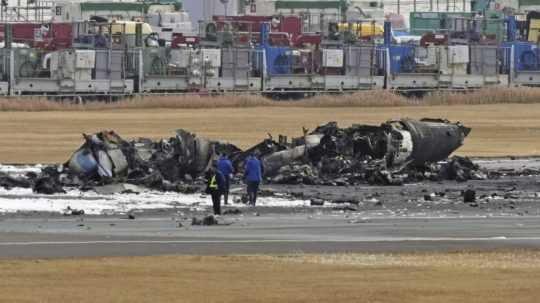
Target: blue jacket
<point x="254" y="170"/>
<point x="224" y="165"/>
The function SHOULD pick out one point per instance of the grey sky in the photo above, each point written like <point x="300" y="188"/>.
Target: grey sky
<point x="194" y="7"/>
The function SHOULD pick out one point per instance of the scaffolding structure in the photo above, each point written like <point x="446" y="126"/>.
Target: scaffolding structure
<point x="26" y="11"/>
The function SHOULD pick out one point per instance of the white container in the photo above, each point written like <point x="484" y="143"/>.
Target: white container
<point x="180" y="58"/>
<point x="332" y="58"/>
<point x="432" y="54"/>
<point x="458" y="54"/>
<point x="450" y="58"/>
<point x="85" y="59"/>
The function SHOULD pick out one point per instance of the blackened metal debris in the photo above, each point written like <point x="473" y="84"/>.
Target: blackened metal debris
<point x="393" y="153"/>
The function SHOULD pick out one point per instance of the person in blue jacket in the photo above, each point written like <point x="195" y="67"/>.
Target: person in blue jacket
<point x="215" y="186"/>
<point x="225" y="166"/>
<point x="253" y="176"/>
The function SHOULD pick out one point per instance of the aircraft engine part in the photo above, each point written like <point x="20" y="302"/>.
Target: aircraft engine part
<point x="400" y="146"/>
<point x="434" y="140"/>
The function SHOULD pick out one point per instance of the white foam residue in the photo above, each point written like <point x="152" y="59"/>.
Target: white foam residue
<point x="21" y="199"/>
<point x="20" y="169"/>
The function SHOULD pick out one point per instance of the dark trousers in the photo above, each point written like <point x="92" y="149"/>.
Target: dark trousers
<point x="252" y="190"/>
<point x="226" y="189"/>
<point x="216" y="202"/>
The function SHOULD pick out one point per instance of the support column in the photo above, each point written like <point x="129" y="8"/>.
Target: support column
<point x="8" y="40"/>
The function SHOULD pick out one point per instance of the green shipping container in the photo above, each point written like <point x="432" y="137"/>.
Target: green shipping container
<point x="440" y="22"/>
<point x="309" y="4"/>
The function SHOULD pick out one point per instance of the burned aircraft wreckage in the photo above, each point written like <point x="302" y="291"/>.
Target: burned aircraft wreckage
<point x="395" y="152"/>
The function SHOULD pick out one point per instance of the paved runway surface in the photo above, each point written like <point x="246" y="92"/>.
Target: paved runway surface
<point x="270" y="233"/>
<point x="505" y="216"/>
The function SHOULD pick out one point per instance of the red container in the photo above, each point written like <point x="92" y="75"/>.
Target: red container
<point x="48" y="36"/>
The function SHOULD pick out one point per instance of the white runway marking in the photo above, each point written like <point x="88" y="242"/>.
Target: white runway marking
<point x="262" y="241"/>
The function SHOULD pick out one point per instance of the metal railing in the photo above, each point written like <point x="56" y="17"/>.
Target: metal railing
<point x="241" y="62"/>
<point x="486" y="60"/>
<point x="357" y="60"/>
<point x="4" y="64"/>
<point x="231" y="63"/>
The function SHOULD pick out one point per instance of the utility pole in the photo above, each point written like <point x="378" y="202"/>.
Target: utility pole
<point x="225" y="6"/>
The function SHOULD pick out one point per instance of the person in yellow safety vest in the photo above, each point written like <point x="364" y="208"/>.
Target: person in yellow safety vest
<point x="215" y="187"/>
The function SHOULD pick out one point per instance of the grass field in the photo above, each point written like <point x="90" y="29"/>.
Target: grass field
<point x="368" y="98"/>
<point x="51" y="136"/>
<point x="472" y="277"/>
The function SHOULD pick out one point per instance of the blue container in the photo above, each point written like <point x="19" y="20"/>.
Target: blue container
<point x="278" y="60"/>
<point x="402" y="59"/>
<point x="526" y="57"/>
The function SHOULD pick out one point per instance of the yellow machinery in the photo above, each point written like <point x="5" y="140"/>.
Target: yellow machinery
<point x="362" y="29"/>
<point x="128" y="27"/>
<point x="534" y="30"/>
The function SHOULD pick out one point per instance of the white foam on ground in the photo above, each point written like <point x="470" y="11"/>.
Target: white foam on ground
<point x="23" y="199"/>
<point x="20" y="169"/>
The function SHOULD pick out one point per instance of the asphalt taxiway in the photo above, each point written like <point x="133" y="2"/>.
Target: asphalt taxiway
<point x="270" y="233"/>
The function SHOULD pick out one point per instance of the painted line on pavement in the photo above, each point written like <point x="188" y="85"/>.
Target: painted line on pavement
<point x="263" y="241"/>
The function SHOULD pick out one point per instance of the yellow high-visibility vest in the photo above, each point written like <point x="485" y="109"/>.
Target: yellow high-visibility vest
<point x="213" y="183"/>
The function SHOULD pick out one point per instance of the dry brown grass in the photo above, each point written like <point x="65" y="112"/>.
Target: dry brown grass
<point x="359" y="99"/>
<point x="50" y="137"/>
<point x="303" y="278"/>
<point x="469" y="260"/>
